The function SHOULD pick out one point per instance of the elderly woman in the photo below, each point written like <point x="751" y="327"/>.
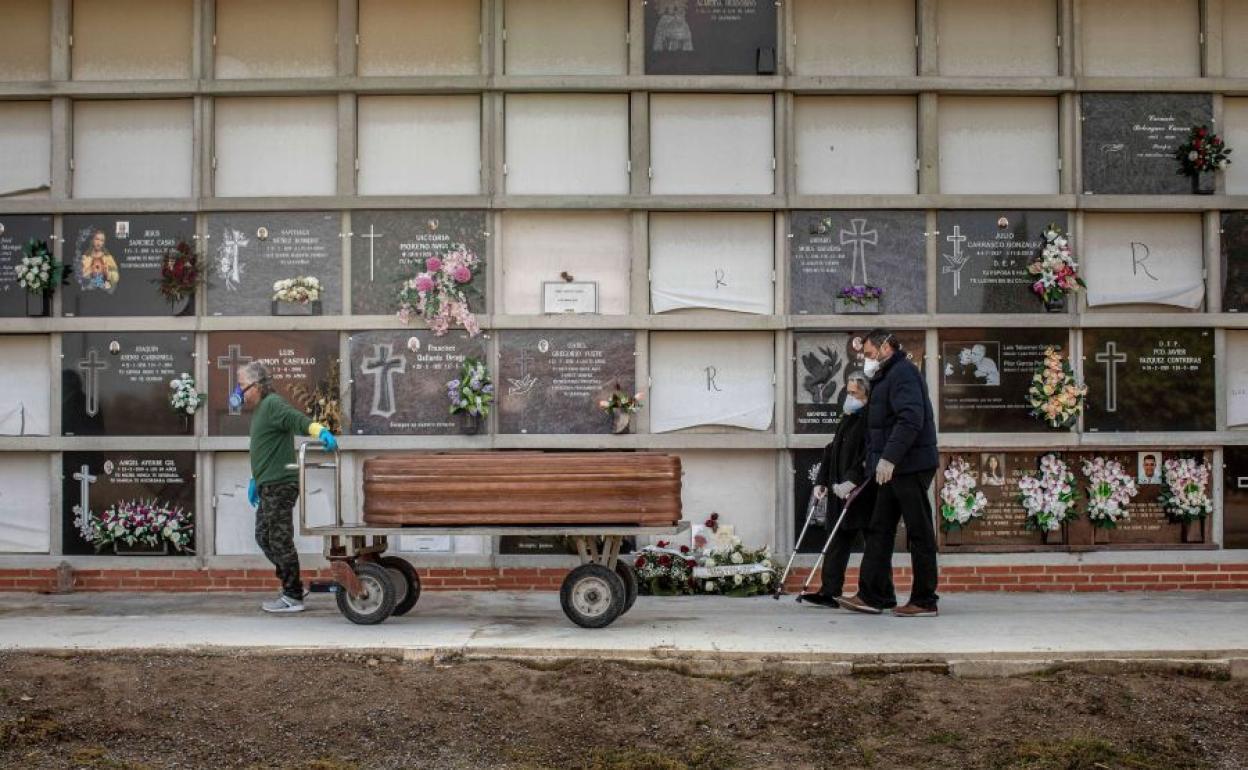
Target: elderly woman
<point x="843" y="468"/>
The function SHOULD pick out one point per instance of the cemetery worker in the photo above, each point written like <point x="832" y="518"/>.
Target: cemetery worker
<point x="274" y="488"/>
<point x="843" y="468"/>
<point x="901" y="453"/>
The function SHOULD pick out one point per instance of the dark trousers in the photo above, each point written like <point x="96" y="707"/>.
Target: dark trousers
<point x="836" y="561"/>
<point x="275" y="533"/>
<point x="903" y="498"/>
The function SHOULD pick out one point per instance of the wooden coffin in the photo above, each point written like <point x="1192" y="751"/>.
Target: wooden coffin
<point x="522" y="488"/>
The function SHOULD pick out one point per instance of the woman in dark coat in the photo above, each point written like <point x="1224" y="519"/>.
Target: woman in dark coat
<point x="842" y="469"/>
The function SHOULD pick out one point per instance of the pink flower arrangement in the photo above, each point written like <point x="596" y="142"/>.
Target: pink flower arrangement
<point x="1185" y="497"/>
<point x="145" y="522"/>
<point x="439" y="294"/>
<point x="1110" y="491"/>
<point x="1055" y="396"/>
<point x="960" y="499"/>
<point x="1048" y="496"/>
<point x="1054" y="267"/>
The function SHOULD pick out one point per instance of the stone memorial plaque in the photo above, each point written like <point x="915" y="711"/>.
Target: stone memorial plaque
<point x="92" y="482"/>
<point x="822" y="365"/>
<point x="830" y="250"/>
<point x="117" y="383"/>
<point x="1004" y="522"/>
<point x="1149" y="379"/>
<point x="985" y="375"/>
<point x="697" y="37"/>
<point x="1129" y="141"/>
<point x="984" y="257"/>
<point x="15" y="232"/>
<point x="1146" y="523"/>
<point x="398" y="381"/>
<point x="116" y="259"/>
<point x="1235" y="497"/>
<point x="389" y="247"/>
<point x="552" y="381"/>
<point x="250" y="252"/>
<point x="1235" y="261"/>
<point x="300" y="363"/>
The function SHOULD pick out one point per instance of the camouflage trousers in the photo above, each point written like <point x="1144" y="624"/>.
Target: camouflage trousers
<point x="275" y="533"/>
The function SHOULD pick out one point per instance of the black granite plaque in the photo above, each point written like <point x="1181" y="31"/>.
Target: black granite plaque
<point x="116" y="260"/>
<point x="1235" y="261"/>
<point x="1235" y="497"/>
<point x="250" y="252"/>
<point x="300" y="363"/>
<point x="985" y="375"/>
<point x="1149" y="379"/>
<point x="117" y="384"/>
<point x="1004" y="521"/>
<point x="830" y="250"/>
<point x="398" y="381"/>
<point x="984" y="257"/>
<point x="389" y="247"/>
<point x="15" y="232"/>
<point x="552" y="381"/>
<point x="92" y="482"/>
<point x="710" y="37"/>
<point x="822" y="365"/>
<point x="1129" y="141"/>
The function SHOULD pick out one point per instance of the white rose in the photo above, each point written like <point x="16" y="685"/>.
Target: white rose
<point x="1192" y="155"/>
<point x="709" y="587"/>
<point x="736" y="557"/>
<point x="738" y="579"/>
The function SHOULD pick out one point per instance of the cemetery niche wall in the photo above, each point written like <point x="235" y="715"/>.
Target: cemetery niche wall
<point x="1130" y="139"/>
<point x="984" y="257"/>
<point x="304" y="367"/>
<point x="16" y="232"/>
<point x="251" y="253"/>
<point x="124" y="486"/>
<point x="116" y="262"/>
<point x="823" y="362"/>
<point x="687" y="37"/>
<point x="1149" y="380"/>
<point x="117" y="384"/>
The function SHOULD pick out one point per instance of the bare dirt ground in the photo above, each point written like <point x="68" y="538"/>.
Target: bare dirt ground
<point x="349" y="711"/>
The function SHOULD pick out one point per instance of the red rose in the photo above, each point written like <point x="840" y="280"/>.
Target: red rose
<point x="1201" y="131"/>
<point x="641" y="562"/>
<point x="662" y="543"/>
<point x="690" y="563"/>
<point x="684" y="549"/>
<point x="665" y="561"/>
<point x="715" y="516"/>
<point x="710" y="523"/>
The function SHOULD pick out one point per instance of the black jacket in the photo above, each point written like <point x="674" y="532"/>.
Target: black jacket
<point x="900" y="424"/>
<point x="845" y="460"/>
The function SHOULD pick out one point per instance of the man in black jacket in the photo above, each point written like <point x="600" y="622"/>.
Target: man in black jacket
<point x="901" y="451"/>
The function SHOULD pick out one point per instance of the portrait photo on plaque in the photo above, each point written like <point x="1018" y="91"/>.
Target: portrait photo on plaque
<point x="117" y="383"/>
<point x="1002" y="525"/>
<point x="116" y="261"/>
<point x="694" y="37"/>
<point x="125" y="489"/>
<point x="275" y="263"/>
<point x="1151" y="379"/>
<point x="985" y="375"/>
<point x="16" y="233"/>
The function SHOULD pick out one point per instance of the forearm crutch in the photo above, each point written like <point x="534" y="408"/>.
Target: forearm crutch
<point x="844" y="509"/>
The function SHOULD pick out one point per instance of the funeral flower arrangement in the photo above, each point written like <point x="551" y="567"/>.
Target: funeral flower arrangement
<point x="860" y="294"/>
<point x="1203" y="151"/>
<point x="665" y="571"/>
<point x="183" y="396"/>
<point x="38" y="272"/>
<point x="472" y="392"/>
<point x="1048" y="495"/>
<point x="439" y="293"/>
<point x="144" y="523"/>
<point x="1110" y="491"/>
<point x="297" y="291"/>
<point x="728" y="568"/>
<point x="180" y="272"/>
<point x="960" y="498"/>
<point x="320" y="400"/>
<point x="1185" y="498"/>
<point x="620" y="401"/>
<point x="1055" y="396"/>
<point x="1054" y="268"/>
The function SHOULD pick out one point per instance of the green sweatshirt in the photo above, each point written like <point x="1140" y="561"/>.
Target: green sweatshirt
<point x="271" y="445"/>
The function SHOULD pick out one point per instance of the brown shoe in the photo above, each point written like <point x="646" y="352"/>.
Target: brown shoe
<point x="915" y="611"/>
<point x="857" y="605"/>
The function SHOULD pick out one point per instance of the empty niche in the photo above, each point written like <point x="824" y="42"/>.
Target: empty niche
<point x="26" y="146"/>
<point x="854" y="37"/>
<point x="566" y="37"/>
<point x="723" y="379"/>
<point x="567" y="144"/>
<point x="236" y="519"/>
<point x="1153" y="259"/>
<point x="991" y="38"/>
<point x="1141" y="38"/>
<point x="277" y="146"/>
<point x="419" y="37"/>
<point x="1234" y="32"/>
<point x="716" y="261"/>
<point x="1235" y="122"/>
<point x="856" y="144"/>
<point x="998" y="145"/>
<point x="25" y="40"/>
<point x="1237" y="379"/>
<point x="712" y="144"/>
<point x="131" y="39"/>
<point x="25" y="503"/>
<point x="132" y="149"/>
<point x="25" y="385"/>
<point x="420" y="145"/>
<point x="276" y="39"/>
<point x="540" y="246"/>
<point x="739" y="486"/>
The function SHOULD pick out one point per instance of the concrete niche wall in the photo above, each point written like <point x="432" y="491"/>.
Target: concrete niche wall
<point x="1234" y="130"/>
<point x="133" y="149"/>
<point x="998" y="145"/>
<point x="859" y="145"/>
<point x="1141" y="38"/>
<point x="1143" y="259"/>
<point x="591" y="246"/>
<point x="739" y="486"/>
<point x="724" y="379"/>
<point x="26" y="147"/>
<point x="25" y="386"/>
<point x="419" y="37"/>
<point x="717" y="261"/>
<point x="712" y="144"/>
<point x="276" y="38"/>
<point x="131" y="39"/>
<point x="419" y="145"/>
<point x="994" y="39"/>
<point x="276" y="146"/>
<point x="566" y="37"/>
<point x="854" y="37"/>
<point x="567" y="144"/>
<point x="25" y="503"/>
<point x="25" y="40"/>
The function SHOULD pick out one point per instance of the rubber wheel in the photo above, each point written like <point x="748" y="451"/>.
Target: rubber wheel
<point x="406" y="583"/>
<point x="592" y="596"/>
<point x="629" y="576"/>
<point x="377" y="602"/>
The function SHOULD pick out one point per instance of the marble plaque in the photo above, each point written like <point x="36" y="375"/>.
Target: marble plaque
<point x="388" y="247"/>
<point x="1235" y="497"/>
<point x="685" y="37"/>
<point x="300" y="362"/>
<point x="1129" y="141"/>
<point x="1004" y="521"/>
<point x="829" y="250"/>
<point x="984" y="257"/>
<point x="15" y="232"/>
<point x="398" y="381"/>
<point x="985" y="375"/>
<point x="822" y="365"/>
<point x="91" y="482"/>
<point x="249" y="252"/>
<point x="117" y="383"/>
<point x="1235" y="261"/>
<point x="116" y="259"/>
<point x="1149" y="379"/>
<point x="552" y="381"/>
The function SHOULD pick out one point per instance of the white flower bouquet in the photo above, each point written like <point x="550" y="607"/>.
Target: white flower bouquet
<point x="1186" y="497"/>
<point x="1110" y="491"/>
<point x="1048" y="495"/>
<point x="38" y="272"/>
<point x="1054" y="270"/>
<point x="297" y="291"/>
<point x="183" y="396"/>
<point x="960" y="498"/>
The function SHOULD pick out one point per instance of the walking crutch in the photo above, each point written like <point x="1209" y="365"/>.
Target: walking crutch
<point x="844" y="509"/>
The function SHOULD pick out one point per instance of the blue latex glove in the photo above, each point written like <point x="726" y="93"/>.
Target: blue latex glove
<point x="327" y="438"/>
<point x="253" y="494"/>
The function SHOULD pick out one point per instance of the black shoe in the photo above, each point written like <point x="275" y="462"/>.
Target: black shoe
<point x="816" y="598"/>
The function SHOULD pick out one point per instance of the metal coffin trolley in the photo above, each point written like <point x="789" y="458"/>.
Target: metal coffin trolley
<point x="371" y="586"/>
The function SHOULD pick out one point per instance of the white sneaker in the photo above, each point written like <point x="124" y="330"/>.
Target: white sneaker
<point x="282" y="603"/>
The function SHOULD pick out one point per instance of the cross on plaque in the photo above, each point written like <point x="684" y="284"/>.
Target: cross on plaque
<point x="383" y="367"/>
<point x="956" y="260"/>
<point x="231" y="361"/>
<point x="90" y="367"/>
<point x="859" y="238"/>
<point x="1111" y="358"/>
<point x="82" y="511"/>
<point x="371" y="236"/>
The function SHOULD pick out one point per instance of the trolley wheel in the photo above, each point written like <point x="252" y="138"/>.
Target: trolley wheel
<point x="377" y="601"/>
<point x="629" y="576"/>
<point x="406" y="583"/>
<point x="592" y="596"/>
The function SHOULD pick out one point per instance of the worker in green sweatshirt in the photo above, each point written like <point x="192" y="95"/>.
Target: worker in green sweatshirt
<point x="274" y="488"/>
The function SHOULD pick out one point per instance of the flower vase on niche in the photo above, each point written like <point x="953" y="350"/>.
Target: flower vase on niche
<point x="1055" y="306"/>
<point x="1193" y="530"/>
<point x="38" y="305"/>
<point x="860" y="299"/>
<point x="1054" y="536"/>
<point x="296" y="308"/>
<point x="1196" y="188"/>
<point x="620" y="422"/>
<point x="141" y="549"/>
<point x="297" y="296"/>
<point x="953" y="536"/>
<point x="470" y="425"/>
<point x="1100" y="535"/>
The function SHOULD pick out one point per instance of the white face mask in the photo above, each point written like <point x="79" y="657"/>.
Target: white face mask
<point x="852" y="404"/>
<point x="870" y="367"/>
